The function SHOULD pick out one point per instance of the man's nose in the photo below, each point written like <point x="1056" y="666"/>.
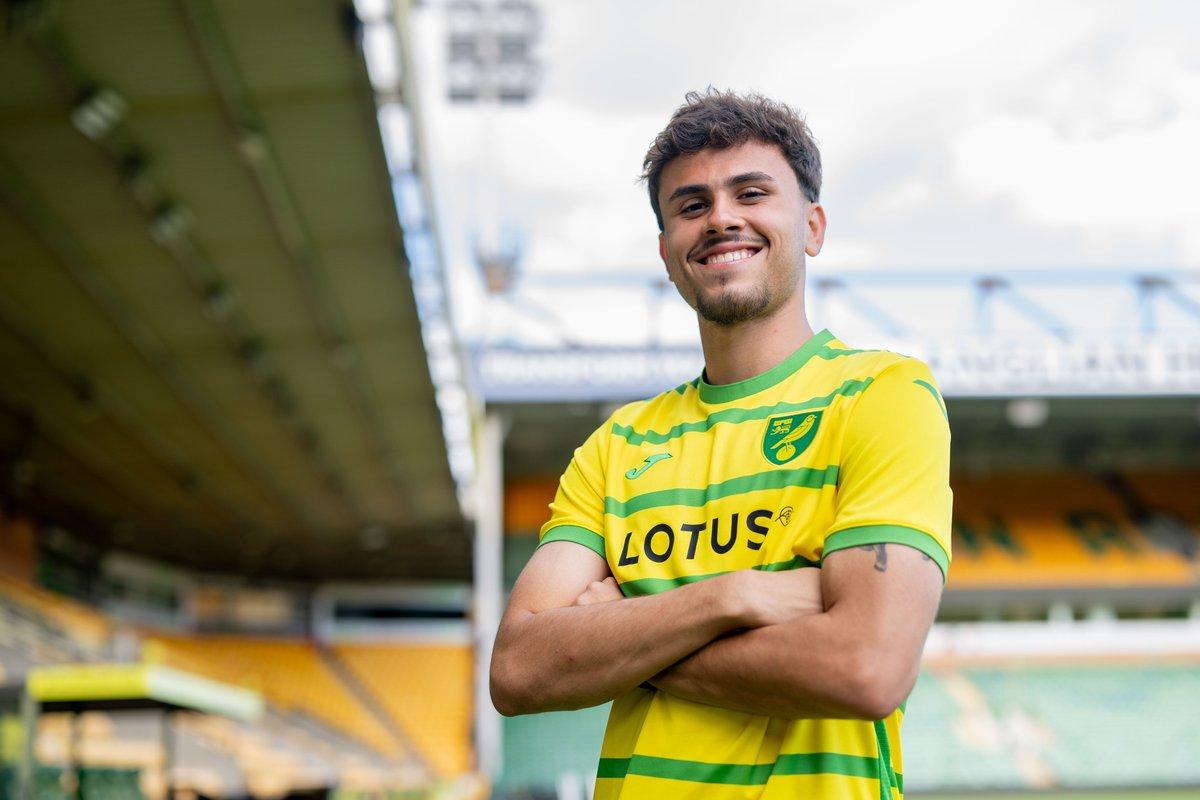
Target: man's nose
<point x="723" y="217"/>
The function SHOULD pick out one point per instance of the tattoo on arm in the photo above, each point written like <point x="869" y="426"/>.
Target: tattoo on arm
<point x="880" y="555"/>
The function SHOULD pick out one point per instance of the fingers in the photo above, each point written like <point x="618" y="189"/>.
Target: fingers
<point x="599" y="592"/>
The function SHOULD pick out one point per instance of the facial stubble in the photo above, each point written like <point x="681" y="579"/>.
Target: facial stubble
<point x="730" y="307"/>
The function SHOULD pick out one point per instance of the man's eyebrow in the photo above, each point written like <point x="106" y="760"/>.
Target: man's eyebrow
<point x="750" y="177"/>
<point x="700" y="188"/>
<point x="688" y="189"/>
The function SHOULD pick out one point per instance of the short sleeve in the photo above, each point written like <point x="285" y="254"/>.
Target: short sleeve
<point x="894" y="475"/>
<point x="577" y="513"/>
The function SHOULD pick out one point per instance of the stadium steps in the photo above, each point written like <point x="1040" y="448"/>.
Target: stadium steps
<point x="371" y="702"/>
<point x="426" y="689"/>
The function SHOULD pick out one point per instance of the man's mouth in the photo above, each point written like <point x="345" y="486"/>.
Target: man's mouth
<point x="730" y="257"/>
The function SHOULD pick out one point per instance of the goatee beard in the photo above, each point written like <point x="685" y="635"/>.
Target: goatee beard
<point x="731" y="308"/>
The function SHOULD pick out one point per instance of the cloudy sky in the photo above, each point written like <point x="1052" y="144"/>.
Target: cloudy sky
<point x="956" y="137"/>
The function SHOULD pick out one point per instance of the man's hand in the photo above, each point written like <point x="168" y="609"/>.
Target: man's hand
<point x="769" y="598"/>
<point x="772" y="598"/>
<point x="561" y="645"/>
<point x="599" y="592"/>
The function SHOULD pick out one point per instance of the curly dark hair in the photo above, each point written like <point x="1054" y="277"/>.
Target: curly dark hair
<point x="719" y="120"/>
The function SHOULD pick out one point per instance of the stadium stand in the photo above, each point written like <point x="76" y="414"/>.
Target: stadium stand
<point x="540" y="747"/>
<point x="438" y="716"/>
<point x="291" y="674"/>
<point x="347" y="715"/>
<point x="1033" y="530"/>
<point x="1029" y="530"/>
<point x="336" y="718"/>
<point x="1053" y="726"/>
<point x="62" y="628"/>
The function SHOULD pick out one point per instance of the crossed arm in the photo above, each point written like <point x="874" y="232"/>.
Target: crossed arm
<point x="842" y="641"/>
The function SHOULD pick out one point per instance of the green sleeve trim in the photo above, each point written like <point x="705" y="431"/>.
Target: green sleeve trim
<point x="573" y="533"/>
<point x="937" y="397"/>
<point x="880" y="534"/>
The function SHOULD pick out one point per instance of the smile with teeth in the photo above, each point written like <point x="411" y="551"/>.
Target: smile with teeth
<point x="728" y="258"/>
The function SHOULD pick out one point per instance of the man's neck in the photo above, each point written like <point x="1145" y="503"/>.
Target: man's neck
<point x="733" y="353"/>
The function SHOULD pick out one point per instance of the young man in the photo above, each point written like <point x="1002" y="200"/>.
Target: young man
<point x="747" y="565"/>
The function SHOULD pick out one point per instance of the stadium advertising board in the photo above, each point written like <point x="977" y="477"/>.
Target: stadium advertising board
<point x="964" y="366"/>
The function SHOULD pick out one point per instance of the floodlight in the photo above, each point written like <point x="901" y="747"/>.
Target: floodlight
<point x="516" y="18"/>
<point x="169" y="223"/>
<point x="98" y="111"/>
<point x="1027" y="412"/>
<point x="464" y="17"/>
<point x="515" y="81"/>
<point x="464" y="79"/>
<point x="219" y="300"/>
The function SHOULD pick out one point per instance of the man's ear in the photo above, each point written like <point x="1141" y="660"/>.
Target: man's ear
<point x="814" y="230"/>
<point x="662" y="253"/>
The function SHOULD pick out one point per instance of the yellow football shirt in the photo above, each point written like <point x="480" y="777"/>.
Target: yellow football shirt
<point x="833" y="448"/>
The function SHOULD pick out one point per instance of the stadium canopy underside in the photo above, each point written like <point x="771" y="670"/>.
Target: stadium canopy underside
<point x="209" y="347"/>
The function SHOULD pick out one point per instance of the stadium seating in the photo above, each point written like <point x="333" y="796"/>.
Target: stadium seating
<point x="1176" y="492"/>
<point x="291" y="674"/>
<point x="951" y="738"/>
<point x="1055" y="530"/>
<point x="426" y="689"/>
<point x="539" y="747"/>
<point x="1064" y="725"/>
<point x="61" y="622"/>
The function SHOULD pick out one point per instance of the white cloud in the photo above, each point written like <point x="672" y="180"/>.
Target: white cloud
<point x="1112" y="173"/>
<point x="954" y="135"/>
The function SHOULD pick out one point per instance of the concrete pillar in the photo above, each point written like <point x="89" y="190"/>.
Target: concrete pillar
<point x="488" y="588"/>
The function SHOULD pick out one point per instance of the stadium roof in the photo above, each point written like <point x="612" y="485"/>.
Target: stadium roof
<point x="209" y="345"/>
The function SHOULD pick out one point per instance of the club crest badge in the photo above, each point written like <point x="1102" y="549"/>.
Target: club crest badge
<point x="788" y="436"/>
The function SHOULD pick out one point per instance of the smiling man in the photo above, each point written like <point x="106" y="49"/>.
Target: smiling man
<point x="748" y="564"/>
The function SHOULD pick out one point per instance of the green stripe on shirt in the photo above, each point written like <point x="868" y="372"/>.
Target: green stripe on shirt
<point x="937" y="397"/>
<point x="734" y="416"/>
<point x="786" y="764"/>
<point x="805" y="477"/>
<point x="644" y="586"/>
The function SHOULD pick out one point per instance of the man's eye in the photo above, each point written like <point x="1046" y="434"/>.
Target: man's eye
<point x="690" y="207"/>
<point x="752" y="194"/>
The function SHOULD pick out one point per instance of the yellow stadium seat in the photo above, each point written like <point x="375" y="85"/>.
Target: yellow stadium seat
<point x="426" y="689"/>
<point x="291" y="674"/>
<point x="1056" y="530"/>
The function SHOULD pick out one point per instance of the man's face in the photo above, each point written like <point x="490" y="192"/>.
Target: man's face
<point x="736" y="227"/>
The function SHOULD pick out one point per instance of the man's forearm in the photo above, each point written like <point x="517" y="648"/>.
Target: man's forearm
<point x="859" y="658"/>
<point x="812" y="666"/>
<point x="579" y="656"/>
